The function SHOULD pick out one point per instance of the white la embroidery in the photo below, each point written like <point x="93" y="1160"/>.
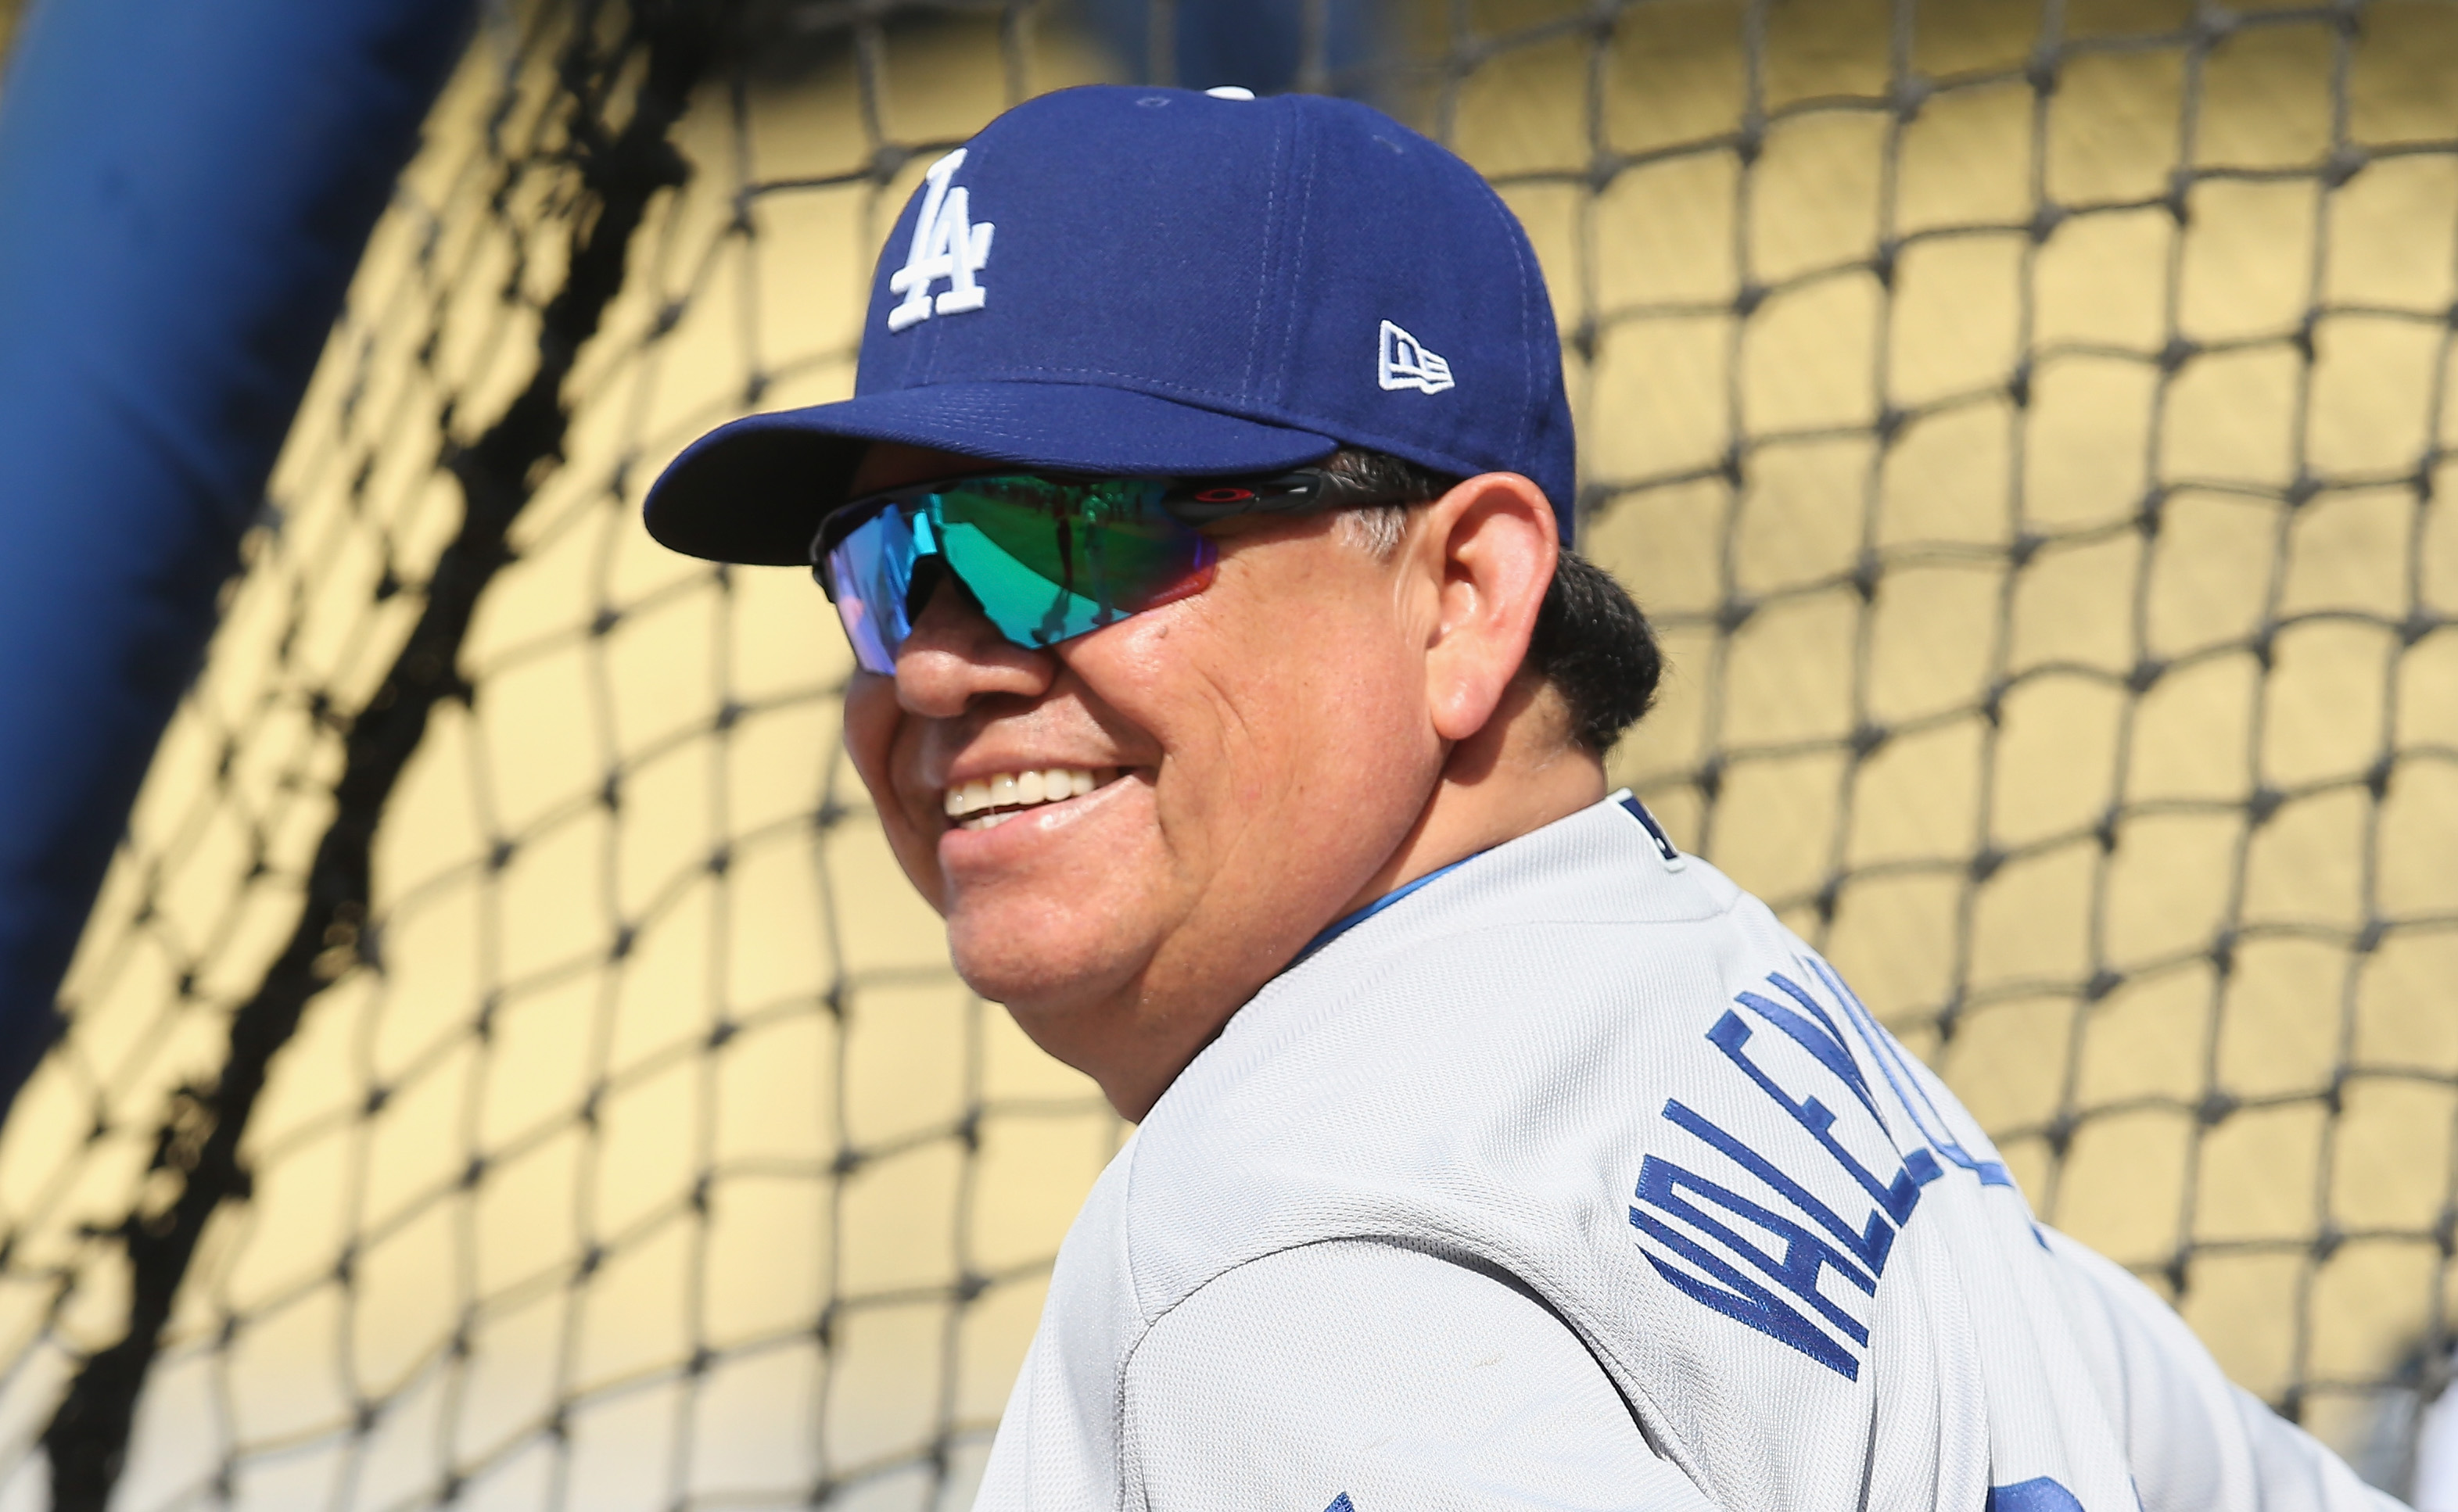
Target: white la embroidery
<point x="1406" y="364"/>
<point x="946" y="246"/>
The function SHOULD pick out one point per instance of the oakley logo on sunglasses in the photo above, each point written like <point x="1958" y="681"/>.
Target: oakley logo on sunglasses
<point x="946" y="246"/>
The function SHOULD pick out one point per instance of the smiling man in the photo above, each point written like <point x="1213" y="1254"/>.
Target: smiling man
<point x="1200" y="525"/>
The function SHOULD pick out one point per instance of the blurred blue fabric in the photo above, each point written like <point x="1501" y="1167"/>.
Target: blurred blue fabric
<point x="185" y="191"/>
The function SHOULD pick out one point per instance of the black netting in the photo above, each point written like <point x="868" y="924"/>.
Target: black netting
<point x="2024" y="422"/>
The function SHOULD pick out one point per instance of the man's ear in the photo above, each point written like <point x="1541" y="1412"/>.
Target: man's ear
<point x="1489" y="548"/>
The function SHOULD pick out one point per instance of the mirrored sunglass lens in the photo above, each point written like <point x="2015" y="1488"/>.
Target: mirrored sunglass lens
<point x="870" y="571"/>
<point x="1051" y="561"/>
<point x="1045" y="560"/>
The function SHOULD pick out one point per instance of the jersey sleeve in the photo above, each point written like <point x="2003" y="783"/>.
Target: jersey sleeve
<point x="1363" y="1377"/>
<point x="2195" y="1439"/>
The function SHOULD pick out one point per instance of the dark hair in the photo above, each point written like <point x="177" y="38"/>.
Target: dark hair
<point x="1591" y="641"/>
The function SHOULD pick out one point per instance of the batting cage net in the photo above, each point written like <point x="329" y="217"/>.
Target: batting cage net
<point x="2025" y="421"/>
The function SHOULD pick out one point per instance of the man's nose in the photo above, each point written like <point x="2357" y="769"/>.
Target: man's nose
<point x="955" y="655"/>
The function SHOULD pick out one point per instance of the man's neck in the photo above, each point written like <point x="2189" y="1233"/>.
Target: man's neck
<point x="1519" y="775"/>
<point x="1516" y="776"/>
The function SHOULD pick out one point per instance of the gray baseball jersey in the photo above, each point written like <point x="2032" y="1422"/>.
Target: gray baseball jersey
<point x="1576" y="1179"/>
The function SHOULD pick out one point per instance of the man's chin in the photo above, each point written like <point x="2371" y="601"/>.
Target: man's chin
<point x="1045" y="973"/>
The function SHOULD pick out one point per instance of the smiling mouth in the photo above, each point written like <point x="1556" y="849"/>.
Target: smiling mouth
<point x="988" y="802"/>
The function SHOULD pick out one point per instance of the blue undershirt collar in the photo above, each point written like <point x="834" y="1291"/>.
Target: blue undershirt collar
<point x="1340" y="926"/>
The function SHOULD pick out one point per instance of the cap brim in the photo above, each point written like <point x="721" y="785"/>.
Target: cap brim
<point x="754" y="491"/>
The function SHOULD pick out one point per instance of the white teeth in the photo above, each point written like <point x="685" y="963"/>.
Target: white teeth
<point x="1009" y="793"/>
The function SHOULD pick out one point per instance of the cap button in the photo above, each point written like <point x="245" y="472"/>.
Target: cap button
<point x="1230" y="92"/>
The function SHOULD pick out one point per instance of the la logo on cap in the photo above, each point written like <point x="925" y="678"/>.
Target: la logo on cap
<point x="946" y="246"/>
<point x="1404" y="362"/>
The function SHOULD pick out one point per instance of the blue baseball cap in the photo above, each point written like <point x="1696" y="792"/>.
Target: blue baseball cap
<point x="1143" y="282"/>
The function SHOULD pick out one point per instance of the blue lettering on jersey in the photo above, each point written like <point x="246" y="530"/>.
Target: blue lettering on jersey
<point x="1710" y="1237"/>
<point x="1892" y="1064"/>
<point x="1340" y="1503"/>
<point x="2042" y="1495"/>
<point x="1661" y="1183"/>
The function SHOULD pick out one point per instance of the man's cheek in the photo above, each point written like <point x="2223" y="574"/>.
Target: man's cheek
<point x="873" y="722"/>
<point x="871" y="719"/>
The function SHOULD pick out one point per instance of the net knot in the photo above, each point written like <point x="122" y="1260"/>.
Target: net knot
<point x="888" y="159"/>
<point x="1911" y="91"/>
<point x="1709" y="778"/>
<point x="2177" y="200"/>
<point x="2377" y="776"/>
<point x="1732" y="466"/>
<point x="1829" y="896"/>
<point x="2214" y="23"/>
<point x="1992" y="704"/>
<point x="1883" y="260"/>
<point x="2060" y="1132"/>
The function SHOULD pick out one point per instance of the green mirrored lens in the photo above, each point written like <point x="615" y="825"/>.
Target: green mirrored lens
<point x="1048" y="560"/>
<point x="1044" y="560"/>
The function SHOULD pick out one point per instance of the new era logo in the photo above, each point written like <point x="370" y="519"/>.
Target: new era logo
<point x="1406" y="364"/>
<point x="946" y="246"/>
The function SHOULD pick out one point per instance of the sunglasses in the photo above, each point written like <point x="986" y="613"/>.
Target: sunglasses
<point x="1047" y="559"/>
